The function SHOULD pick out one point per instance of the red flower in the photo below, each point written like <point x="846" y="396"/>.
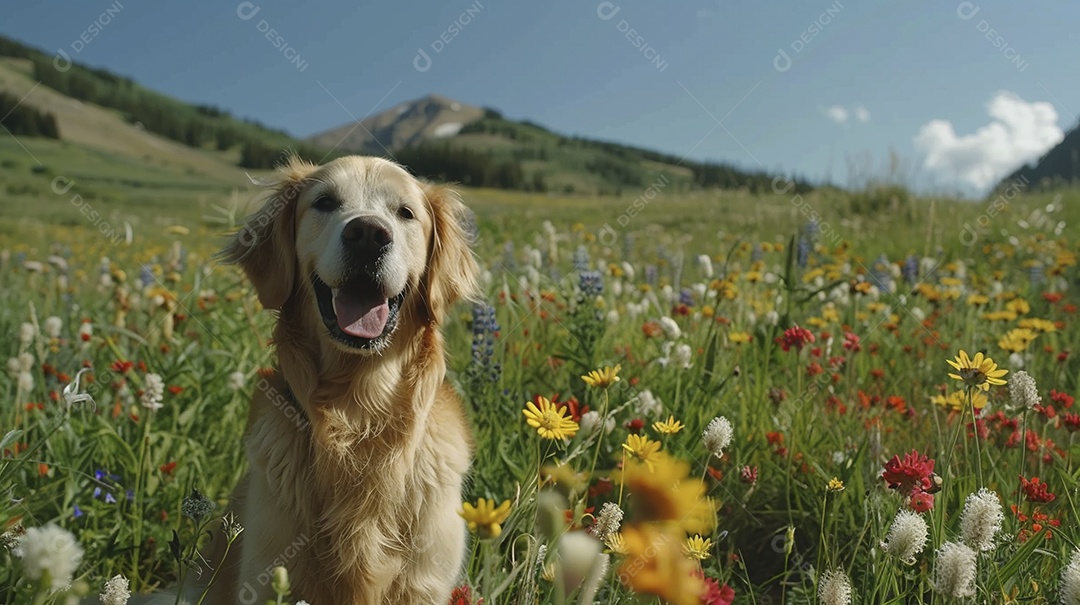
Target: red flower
<point x="651" y="328"/>
<point x="852" y="342"/>
<point x="1072" y="422"/>
<point x="121" y="367"/>
<point x="168" y="468"/>
<point x="715" y="593"/>
<point x="748" y="474"/>
<point x="176" y="390"/>
<point x="910" y="474"/>
<point x="814" y="369"/>
<point x="921" y="501"/>
<point x="1064" y="399"/>
<point x="1036" y="490"/>
<point x="796" y="337"/>
<point x="462" y="595"/>
<point x="635" y="425"/>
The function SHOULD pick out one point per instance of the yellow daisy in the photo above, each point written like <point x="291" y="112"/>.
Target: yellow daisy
<point x="643" y="448"/>
<point x="602" y="378"/>
<point x="957" y="400"/>
<point x="485" y="518"/>
<point x="549" y="421"/>
<point x="980" y="372"/>
<point x="698" y="547"/>
<point x="616" y="543"/>
<point x="669" y="427"/>
<point x="835" y="485"/>
<point x="1017" y="339"/>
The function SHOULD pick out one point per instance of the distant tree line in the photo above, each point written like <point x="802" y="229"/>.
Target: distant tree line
<point x="23" y="120"/>
<point x="445" y="162"/>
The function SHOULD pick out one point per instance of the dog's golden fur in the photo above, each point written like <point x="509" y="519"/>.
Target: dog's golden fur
<point x="355" y="490"/>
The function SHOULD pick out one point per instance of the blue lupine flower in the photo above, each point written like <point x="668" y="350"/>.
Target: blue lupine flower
<point x="650" y="274"/>
<point x="146" y="276"/>
<point x="109" y="499"/>
<point x="484" y="328"/>
<point x="509" y="261"/>
<point x="802" y="251"/>
<point x="77" y="512"/>
<point x="686" y="297"/>
<point x="910" y="270"/>
<point x="591" y="284"/>
<point x="1036" y="273"/>
<point x="880" y="275"/>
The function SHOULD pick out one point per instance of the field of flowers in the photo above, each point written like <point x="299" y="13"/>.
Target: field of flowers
<point x="769" y="418"/>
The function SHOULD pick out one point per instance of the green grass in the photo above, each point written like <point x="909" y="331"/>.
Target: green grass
<point x="549" y="335"/>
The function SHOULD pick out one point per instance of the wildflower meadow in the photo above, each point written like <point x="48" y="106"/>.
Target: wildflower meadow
<point x="878" y="409"/>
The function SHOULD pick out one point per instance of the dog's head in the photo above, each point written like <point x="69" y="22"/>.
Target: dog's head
<point x="359" y="246"/>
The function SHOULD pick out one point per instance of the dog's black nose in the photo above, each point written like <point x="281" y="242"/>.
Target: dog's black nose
<point x="367" y="237"/>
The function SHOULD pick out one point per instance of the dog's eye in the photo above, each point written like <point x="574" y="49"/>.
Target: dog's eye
<point x="326" y="204"/>
<point x="406" y="213"/>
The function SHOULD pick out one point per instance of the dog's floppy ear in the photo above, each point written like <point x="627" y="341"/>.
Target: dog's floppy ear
<point x="265" y="246"/>
<point x="452" y="272"/>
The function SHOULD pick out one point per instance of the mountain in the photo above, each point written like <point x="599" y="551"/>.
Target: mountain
<point x="444" y="139"/>
<point x="408" y="124"/>
<point x="1059" y="167"/>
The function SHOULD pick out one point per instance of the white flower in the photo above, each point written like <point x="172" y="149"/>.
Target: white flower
<point x="670" y="328"/>
<point x="613" y="316"/>
<point x="627" y="269"/>
<point x="578" y="554"/>
<point x="26" y="361"/>
<point x="705" y="262"/>
<point x="1016" y="360"/>
<point x="717" y="436"/>
<point x="835" y="588"/>
<point x="608" y="521"/>
<point x="954" y="570"/>
<point x="53" y="325"/>
<point x="27" y="332"/>
<point x="907" y="536"/>
<point x="86" y="330"/>
<point x="1023" y="394"/>
<point x="13" y="367"/>
<point x="1070" y="580"/>
<point x="153" y="392"/>
<point x="49" y="549"/>
<point x="25" y="382"/>
<point x="647" y="404"/>
<point x="116" y="591"/>
<point x="236" y="381"/>
<point x="71" y="390"/>
<point x="981" y="519"/>
<point x="681" y="356"/>
<point x="590" y="422"/>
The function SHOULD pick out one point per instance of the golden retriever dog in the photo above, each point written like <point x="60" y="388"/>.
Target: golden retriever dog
<point x="357" y="446"/>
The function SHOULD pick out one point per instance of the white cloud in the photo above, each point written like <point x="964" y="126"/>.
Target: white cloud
<point x="1018" y="133"/>
<point x="837" y="114"/>
<point x="862" y="114"/>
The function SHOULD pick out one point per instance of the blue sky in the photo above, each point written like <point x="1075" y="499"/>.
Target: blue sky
<point x="707" y="80"/>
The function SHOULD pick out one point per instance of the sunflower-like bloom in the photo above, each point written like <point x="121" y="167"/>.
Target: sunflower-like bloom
<point x="485" y="518"/>
<point x="668" y="493"/>
<point x="549" y="420"/>
<point x="978" y="372"/>
<point x="602" y="378"/>
<point x="697" y="547"/>
<point x="668" y="427"/>
<point x="655" y="564"/>
<point x="642" y="448"/>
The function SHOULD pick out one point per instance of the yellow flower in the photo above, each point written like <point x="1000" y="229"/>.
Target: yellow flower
<point x="976" y="300"/>
<point x="1035" y="323"/>
<point x="549" y="421"/>
<point x="739" y="337"/>
<point x="835" y="485"/>
<point x="980" y="372"/>
<point x="999" y="316"/>
<point x="484" y="518"/>
<point x="602" y="378"/>
<point x="1018" y="306"/>
<point x="615" y="543"/>
<point x="655" y="565"/>
<point x="670" y="427"/>
<point x="643" y="448"/>
<point x="1017" y="339"/>
<point x="698" y="548"/>
<point x="957" y="400"/>
<point x="668" y="493"/>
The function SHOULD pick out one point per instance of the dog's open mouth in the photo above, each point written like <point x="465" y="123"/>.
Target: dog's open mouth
<point x="357" y="314"/>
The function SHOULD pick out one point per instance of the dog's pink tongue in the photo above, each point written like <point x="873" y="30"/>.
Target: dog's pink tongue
<point x="361" y="317"/>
